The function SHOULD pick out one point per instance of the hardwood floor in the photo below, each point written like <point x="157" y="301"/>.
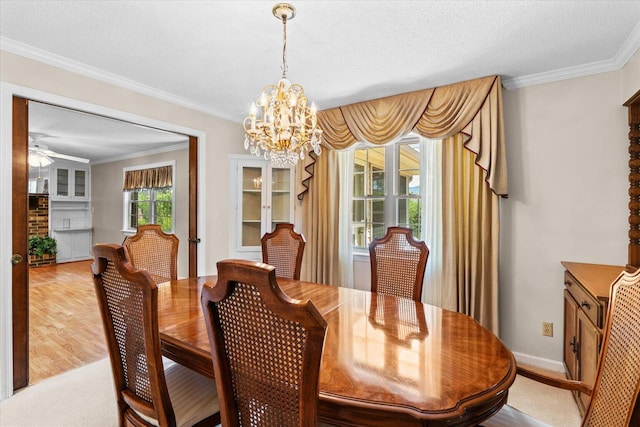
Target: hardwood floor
<point x="65" y="329"/>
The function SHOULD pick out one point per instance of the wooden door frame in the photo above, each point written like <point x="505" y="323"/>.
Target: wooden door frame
<point x="10" y="282"/>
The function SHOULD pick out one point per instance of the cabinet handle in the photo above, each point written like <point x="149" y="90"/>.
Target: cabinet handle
<point x="196" y="240"/>
<point x="567" y="283"/>
<point x="573" y="344"/>
<point x="586" y="305"/>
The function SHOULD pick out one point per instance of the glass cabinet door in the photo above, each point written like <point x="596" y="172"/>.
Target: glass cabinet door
<point x="264" y="198"/>
<point x="280" y="196"/>
<point x="62" y="182"/>
<point x="79" y="183"/>
<point x="251" y="194"/>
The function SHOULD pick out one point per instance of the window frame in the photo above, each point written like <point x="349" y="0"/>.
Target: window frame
<point x="391" y="184"/>
<point x="126" y="198"/>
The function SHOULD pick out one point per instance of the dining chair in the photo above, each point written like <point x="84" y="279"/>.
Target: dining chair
<point x="283" y="248"/>
<point x="614" y="395"/>
<point x="266" y="348"/>
<point x="148" y="393"/>
<point x="154" y="250"/>
<point x="398" y="262"/>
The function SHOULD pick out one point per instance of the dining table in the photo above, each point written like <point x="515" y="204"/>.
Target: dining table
<point x="386" y="361"/>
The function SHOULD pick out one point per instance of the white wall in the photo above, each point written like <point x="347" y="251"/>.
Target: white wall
<point x="567" y="158"/>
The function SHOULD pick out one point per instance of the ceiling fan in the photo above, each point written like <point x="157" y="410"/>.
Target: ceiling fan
<point x="40" y="155"/>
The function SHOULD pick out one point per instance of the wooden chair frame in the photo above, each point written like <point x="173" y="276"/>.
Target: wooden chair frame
<point x="274" y="260"/>
<point x="376" y="277"/>
<point x="139" y="261"/>
<point x="161" y="408"/>
<point x="262" y="277"/>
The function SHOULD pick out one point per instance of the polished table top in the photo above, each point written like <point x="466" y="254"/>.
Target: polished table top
<point x="386" y="360"/>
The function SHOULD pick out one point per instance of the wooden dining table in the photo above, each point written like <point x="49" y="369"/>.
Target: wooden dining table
<point x="386" y="361"/>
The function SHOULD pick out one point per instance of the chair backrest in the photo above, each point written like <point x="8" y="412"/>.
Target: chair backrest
<point x="398" y="262"/>
<point x="154" y="250"/>
<point x="128" y="301"/>
<point x="614" y="401"/>
<point x="266" y="348"/>
<point x="283" y="248"/>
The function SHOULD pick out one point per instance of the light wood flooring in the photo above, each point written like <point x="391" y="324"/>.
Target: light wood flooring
<point x="65" y="329"/>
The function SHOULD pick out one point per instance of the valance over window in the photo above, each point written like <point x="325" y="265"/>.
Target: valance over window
<point x="138" y="179"/>
<point x="473" y="108"/>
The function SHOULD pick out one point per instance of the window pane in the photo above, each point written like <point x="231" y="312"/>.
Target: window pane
<point x="379" y="231"/>
<point x="377" y="184"/>
<point x="410" y="215"/>
<point x="377" y="211"/>
<point x="359" y="238"/>
<point x="358" y="211"/>
<point x="409" y="169"/>
<point x="358" y="184"/>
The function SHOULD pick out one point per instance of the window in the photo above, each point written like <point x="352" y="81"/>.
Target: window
<point x="387" y="189"/>
<point x="149" y="200"/>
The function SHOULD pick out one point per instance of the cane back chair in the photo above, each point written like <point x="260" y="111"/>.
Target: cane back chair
<point x="614" y="396"/>
<point x="146" y="393"/>
<point x="398" y="262"/>
<point x="283" y="248"/>
<point x="266" y="348"/>
<point x="154" y="250"/>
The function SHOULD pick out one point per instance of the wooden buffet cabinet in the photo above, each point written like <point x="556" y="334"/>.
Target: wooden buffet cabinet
<point x="586" y="299"/>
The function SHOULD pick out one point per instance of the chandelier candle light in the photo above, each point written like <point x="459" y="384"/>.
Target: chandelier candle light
<point x="280" y="123"/>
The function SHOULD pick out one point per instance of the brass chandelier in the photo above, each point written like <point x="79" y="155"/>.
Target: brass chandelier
<point x="281" y="124"/>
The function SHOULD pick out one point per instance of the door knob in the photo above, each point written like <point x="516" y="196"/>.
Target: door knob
<point x="16" y="259"/>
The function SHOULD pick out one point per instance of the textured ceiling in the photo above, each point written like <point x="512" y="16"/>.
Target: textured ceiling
<point x="216" y="56"/>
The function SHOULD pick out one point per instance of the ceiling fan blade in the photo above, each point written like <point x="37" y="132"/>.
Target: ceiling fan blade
<point x="64" y="156"/>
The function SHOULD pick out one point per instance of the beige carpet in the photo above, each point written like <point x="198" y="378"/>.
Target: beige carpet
<point x="85" y="397"/>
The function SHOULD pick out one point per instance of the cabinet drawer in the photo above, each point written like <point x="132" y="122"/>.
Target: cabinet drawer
<point x="591" y="306"/>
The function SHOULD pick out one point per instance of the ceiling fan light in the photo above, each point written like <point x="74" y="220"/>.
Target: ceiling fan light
<point x="36" y="159"/>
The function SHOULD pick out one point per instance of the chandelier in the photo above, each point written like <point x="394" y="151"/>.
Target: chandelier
<point x="280" y="124"/>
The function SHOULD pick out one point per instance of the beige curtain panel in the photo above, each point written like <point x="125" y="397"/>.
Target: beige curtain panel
<point x="161" y="177"/>
<point x="473" y="108"/>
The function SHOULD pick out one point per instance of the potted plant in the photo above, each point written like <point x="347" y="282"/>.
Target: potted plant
<point x="42" y="250"/>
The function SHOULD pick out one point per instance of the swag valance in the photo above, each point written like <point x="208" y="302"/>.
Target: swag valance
<point x="473" y="108"/>
<point x="138" y="179"/>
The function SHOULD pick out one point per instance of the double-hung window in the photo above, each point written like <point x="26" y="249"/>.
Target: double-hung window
<point x="388" y="189"/>
<point x="149" y="196"/>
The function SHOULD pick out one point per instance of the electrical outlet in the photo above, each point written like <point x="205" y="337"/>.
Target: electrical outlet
<point x="547" y="329"/>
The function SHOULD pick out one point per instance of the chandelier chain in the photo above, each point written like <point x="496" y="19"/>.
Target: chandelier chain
<point x="285" y="67"/>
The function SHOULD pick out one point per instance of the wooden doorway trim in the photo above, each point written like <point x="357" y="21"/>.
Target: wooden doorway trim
<point x="19" y="238"/>
<point x="19" y="283"/>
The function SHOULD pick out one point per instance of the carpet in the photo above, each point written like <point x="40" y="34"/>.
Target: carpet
<point x="85" y="397"/>
<point x="80" y="397"/>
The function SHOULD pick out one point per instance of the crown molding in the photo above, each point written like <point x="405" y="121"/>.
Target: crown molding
<point x="626" y="51"/>
<point x="159" y="150"/>
<point x="64" y="63"/>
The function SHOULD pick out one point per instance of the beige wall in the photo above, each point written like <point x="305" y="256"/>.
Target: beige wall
<point x="107" y="200"/>
<point x="222" y="137"/>
<point x="567" y="157"/>
<point x="631" y="77"/>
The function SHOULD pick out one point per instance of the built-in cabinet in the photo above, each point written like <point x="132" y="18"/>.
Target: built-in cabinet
<point x="262" y="195"/>
<point x="70" y="216"/>
<point x="586" y="299"/>
<point x="70" y="182"/>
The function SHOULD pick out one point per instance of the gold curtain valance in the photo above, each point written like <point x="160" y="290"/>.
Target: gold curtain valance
<point x="473" y="108"/>
<point x="160" y="177"/>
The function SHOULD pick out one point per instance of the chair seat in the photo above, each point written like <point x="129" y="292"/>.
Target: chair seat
<point x="509" y="416"/>
<point x="193" y="396"/>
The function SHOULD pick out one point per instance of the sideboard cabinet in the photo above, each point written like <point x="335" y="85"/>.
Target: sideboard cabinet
<point x="586" y="299"/>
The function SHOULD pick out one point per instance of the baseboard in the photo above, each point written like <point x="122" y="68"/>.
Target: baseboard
<point x="539" y="362"/>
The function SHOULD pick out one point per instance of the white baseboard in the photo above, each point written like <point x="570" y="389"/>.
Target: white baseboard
<point x="539" y="362"/>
